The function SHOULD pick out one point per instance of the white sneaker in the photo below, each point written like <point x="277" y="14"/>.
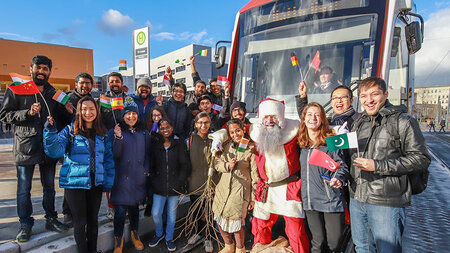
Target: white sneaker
<point x="194" y="239"/>
<point x="209" y="246"/>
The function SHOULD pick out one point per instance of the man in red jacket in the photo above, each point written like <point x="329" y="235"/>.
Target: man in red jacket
<point x="278" y="188"/>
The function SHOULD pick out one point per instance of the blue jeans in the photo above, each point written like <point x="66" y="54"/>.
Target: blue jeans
<point x="157" y="214"/>
<point x="24" y="180"/>
<point x="119" y="218"/>
<point x="376" y="228"/>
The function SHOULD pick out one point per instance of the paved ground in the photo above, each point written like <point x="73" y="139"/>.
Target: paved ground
<point x="427" y="227"/>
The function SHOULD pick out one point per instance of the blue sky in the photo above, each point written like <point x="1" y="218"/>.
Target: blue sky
<point x="105" y="27"/>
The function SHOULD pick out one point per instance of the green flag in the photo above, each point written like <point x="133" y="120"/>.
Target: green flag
<point x="342" y="141"/>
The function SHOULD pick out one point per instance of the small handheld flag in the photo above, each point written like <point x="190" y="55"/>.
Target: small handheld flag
<point x="28" y="88"/>
<point x="122" y="65"/>
<point x="243" y="145"/>
<point x="222" y="80"/>
<point x="217" y="107"/>
<point x="342" y="141"/>
<point x="117" y="103"/>
<point x="325" y="178"/>
<point x="316" y="61"/>
<point x="61" y="97"/>
<point x="203" y="52"/>
<point x="105" y="101"/>
<point x="294" y="59"/>
<point x="19" y="79"/>
<point x="322" y="159"/>
<point x="166" y="81"/>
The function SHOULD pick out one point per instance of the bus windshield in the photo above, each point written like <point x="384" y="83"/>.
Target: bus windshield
<point x="344" y="46"/>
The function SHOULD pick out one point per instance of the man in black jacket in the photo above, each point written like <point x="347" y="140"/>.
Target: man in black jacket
<point x="116" y="89"/>
<point x="380" y="188"/>
<point x="83" y="87"/>
<point x="28" y="114"/>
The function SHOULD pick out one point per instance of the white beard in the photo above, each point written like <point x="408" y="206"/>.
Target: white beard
<point x="268" y="140"/>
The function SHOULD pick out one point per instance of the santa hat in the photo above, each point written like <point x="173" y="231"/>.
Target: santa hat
<point x="271" y="106"/>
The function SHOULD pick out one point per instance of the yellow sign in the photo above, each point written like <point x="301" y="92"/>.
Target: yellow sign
<point x="140" y="38"/>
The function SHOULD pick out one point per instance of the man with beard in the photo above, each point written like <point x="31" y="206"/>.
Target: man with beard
<point x="216" y="93"/>
<point x="144" y="98"/>
<point x="116" y="89"/>
<point x="278" y="188"/>
<point x="28" y="114"/>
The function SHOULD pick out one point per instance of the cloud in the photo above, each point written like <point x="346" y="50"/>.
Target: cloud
<point x="78" y="21"/>
<point x="152" y="26"/>
<point x="195" y="38"/>
<point x="433" y="60"/>
<point x="16" y="36"/>
<point x="164" y="36"/>
<point x="114" y="22"/>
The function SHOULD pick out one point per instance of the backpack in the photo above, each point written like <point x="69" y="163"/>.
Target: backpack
<point x="418" y="180"/>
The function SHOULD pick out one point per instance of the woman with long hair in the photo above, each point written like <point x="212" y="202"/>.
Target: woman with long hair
<point x="234" y="194"/>
<point x="322" y="194"/>
<point x="131" y="147"/>
<point x="87" y="171"/>
<point x="169" y="169"/>
<point x="157" y="112"/>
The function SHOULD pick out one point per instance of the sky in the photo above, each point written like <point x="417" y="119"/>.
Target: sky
<point x="106" y="26"/>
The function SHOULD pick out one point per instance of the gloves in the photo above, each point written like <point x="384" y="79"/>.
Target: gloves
<point x="216" y="145"/>
<point x="341" y="129"/>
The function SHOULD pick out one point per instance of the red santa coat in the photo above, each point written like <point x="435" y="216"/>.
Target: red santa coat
<point x="274" y="167"/>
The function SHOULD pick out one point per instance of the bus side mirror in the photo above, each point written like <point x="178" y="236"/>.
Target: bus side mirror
<point x="220" y="57"/>
<point x="413" y="34"/>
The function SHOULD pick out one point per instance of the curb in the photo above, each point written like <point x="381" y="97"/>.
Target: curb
<point x="65" y="243"/>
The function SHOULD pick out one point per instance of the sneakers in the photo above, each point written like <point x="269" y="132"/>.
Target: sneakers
<point x="110" y="213"/>
<point x="193" y="239"/>
<point x="209" y="246"/>
<point x="156" y="239"/>
<point x="171" y="246"/>
<point x="53" y="224"/>
<point x="24" y="234"/>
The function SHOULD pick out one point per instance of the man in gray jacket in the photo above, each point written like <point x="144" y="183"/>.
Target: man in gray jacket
<point x="380" y="187"/>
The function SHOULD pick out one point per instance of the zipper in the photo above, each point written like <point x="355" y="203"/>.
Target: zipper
<point x="167" y="174"/>
<point x="307" y="180"/>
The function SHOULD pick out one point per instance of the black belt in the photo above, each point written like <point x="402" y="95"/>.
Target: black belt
<point x="292" y="178"/>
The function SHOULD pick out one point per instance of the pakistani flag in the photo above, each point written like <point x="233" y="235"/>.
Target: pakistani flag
<point x="342" y="141"/>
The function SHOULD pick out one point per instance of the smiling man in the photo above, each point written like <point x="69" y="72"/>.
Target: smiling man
<point x="116" y="89"/>
<point x="83" y="87"/>
<point x="144" y="98"/>
<point x="28" y="114"/>
<point x="391" y="147"/>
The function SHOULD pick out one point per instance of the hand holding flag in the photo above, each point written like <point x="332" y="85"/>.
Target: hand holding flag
<point x="322" y="159"/>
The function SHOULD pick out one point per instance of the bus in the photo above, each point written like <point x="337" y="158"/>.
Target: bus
<point x="348" y="40"/>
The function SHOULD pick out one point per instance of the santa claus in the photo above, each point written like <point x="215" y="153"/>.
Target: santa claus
<point x="278" y="188"/>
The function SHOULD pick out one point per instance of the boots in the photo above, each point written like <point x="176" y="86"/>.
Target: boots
<point x="136" y="240"/>
<point x="229" y="248"/>
<point x="240" y="250"/>
<point x="118" y="244"/>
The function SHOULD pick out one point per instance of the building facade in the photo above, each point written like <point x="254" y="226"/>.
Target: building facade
<point x="428" y="99"/>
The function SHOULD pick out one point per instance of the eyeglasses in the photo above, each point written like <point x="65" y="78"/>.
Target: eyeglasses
<point x="178" y="91"/>
<point x="340" y="98"/>
<point x="165" y="128"/>
<point x="156" y="115"/>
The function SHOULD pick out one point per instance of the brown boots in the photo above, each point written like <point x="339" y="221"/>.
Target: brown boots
<point x="229" y="248"/>
<point x="136" y="240"/>
<point x="118" y="244"/>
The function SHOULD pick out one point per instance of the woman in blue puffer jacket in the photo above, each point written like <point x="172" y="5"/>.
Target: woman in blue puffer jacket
<point x="87" y="171"/>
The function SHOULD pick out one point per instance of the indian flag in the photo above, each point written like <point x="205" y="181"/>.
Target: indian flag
<point x="19" y="79"/>
<point x="221" y="80"/>
<point x="122" y="65"/>
<point x="243" y="145"/>
<point x="203" y="52"/>
<point x="166" y="81"/>
<point x="117" y="103"/>
<point x="342" y="141"/>
<point x="61" y="97"/>
<point x="105" y="101"/>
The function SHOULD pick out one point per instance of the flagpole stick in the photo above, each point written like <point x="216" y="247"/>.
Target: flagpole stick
<point x="35" y="96"/>
<point x="307" y="72"/>
<point x="45" y="102"/>
<point x="114" y="116"/>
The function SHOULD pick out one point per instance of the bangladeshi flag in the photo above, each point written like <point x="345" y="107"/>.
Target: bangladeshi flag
<point x="28" y="88"/>
<point x="322" y="159"/>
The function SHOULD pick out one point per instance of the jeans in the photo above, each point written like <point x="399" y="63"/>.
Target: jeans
<point x="24" y="180"/>
<point x="157" y="213"/>
<point x="119" y="218"/>
<point x="84" y="206"/>
<point x="376" y="228"/>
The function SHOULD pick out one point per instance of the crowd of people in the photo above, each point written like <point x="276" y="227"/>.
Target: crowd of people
<point x="154" y="151"/>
